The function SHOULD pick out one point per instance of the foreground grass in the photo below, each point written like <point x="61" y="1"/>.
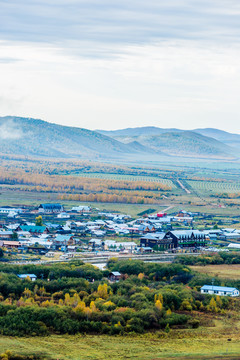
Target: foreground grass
<point x="203" y="343"/>
<point x="222" y="271"/>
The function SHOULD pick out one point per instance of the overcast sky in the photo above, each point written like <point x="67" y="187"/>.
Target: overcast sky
<point x="112" y="64"/>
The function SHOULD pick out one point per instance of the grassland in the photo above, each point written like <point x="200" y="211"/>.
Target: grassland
<point x="221" y="271"/>
<point x="197" y="344"/>
<point x="15" y="197"/>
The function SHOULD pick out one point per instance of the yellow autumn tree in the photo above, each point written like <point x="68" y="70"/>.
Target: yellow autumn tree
<point x="141" y="276"/>
<point x="158" y="305"/>
<point x="93" y="306"/>
<point x="81" y="306"/>
<point x="158" y="297"/>
<point x="27" y="293"/>
<point x="102" y="291"/>
<point x="212" y="305"/>
<point x="67" y="299"/>
<point x="168" y="312"/>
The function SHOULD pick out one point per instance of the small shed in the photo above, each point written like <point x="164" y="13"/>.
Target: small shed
<point x="33" y="277"/>
<point x="219" y="290"/>
<point x="114" y="276"/>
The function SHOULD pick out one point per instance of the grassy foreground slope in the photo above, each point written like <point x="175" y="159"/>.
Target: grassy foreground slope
<point x="197" y="344"/>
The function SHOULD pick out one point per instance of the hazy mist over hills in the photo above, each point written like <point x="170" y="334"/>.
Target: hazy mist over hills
<point x="33" y="137"/>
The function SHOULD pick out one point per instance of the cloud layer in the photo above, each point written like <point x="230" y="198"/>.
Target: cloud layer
<point x="111" y="64"/>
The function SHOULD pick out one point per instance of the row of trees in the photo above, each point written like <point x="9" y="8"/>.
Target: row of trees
<point x="211" y="259"/>
<point x="126" y="198"/>
<point x="74" y="183"/>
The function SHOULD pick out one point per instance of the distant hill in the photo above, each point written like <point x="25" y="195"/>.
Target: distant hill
<point x="34" y="137"/>
<point x="189" y="143"/>
<point x="136" y="132"/>
<point x="176" y="142"/>
<point x="220" y="135"/>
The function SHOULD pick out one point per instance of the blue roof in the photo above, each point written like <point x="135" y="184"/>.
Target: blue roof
<point x="26" y="275"/>
<point x="62" y="238"/>
<point x="218" y="288"/>
<point x="33" y="228"/>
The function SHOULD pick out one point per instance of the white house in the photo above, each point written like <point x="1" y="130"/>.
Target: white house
<point x="33" y="277"/>
<point x="63" y="215"/>
<point x="219" y="290"/>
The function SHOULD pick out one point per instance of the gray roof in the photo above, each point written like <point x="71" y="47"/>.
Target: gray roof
<point x="115" y="273"/>
<point x="218" y="288"/>
<point x="155" y="236"/>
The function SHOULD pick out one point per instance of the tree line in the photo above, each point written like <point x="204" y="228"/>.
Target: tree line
<point x="77" y="298"/>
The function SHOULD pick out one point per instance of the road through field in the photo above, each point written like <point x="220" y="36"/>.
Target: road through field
<point x="183" y="187"/>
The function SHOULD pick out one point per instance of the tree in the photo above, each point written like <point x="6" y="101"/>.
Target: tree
<point x="14" y="236"/>
<point x="158" y="305"/>
<point x="39" y="221"/>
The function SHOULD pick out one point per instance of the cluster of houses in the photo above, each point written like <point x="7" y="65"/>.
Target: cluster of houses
<point x="83" y="228"/>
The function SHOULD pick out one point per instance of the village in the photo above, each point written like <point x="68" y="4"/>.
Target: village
<point x="52" y="233"/>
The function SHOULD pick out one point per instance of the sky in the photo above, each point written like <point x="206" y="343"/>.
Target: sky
<point x="115" y="64"/>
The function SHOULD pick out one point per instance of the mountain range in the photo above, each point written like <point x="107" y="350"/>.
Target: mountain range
<point x="33" y="137"/>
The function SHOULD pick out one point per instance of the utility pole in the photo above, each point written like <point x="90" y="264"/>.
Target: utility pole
<point x="212" y="284"/>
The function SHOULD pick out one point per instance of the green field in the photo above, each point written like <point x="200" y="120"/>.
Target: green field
<point x="15" y="197"/>
<point x="198" y="344"/>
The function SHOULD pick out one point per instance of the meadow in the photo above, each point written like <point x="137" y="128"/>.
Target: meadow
<point x="197" y="344"/>
<point x="224" y="271"/>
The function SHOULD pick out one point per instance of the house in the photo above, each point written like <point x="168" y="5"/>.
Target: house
<point x="234" y="246"/>
<point x="146" y="249"/>
<point x="174" y="239"/>
<point x="186" y="238"/>
<point x="50" y="208"/>
<point x="7" y="210"/>
<point x="161" y="215"/>
<point x="126" y="245"/>
<point x="81" y="209"/>
<point x="63" y="241"/>
<point x="184" y="214"/>
<point x="63" y="215"/>
<point x="67" y="256"/>
<point x="219" y="290"/>
<point x="6" y="234"/>
<point x="146" y="228"/>
<point x="31" y="276"/>
<point x="153" y="240"/>
<point x="50" y="254"/>
<point x="10" y="244"/>
<point x="33" y="229"/>
<point x="114" y="276"/>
